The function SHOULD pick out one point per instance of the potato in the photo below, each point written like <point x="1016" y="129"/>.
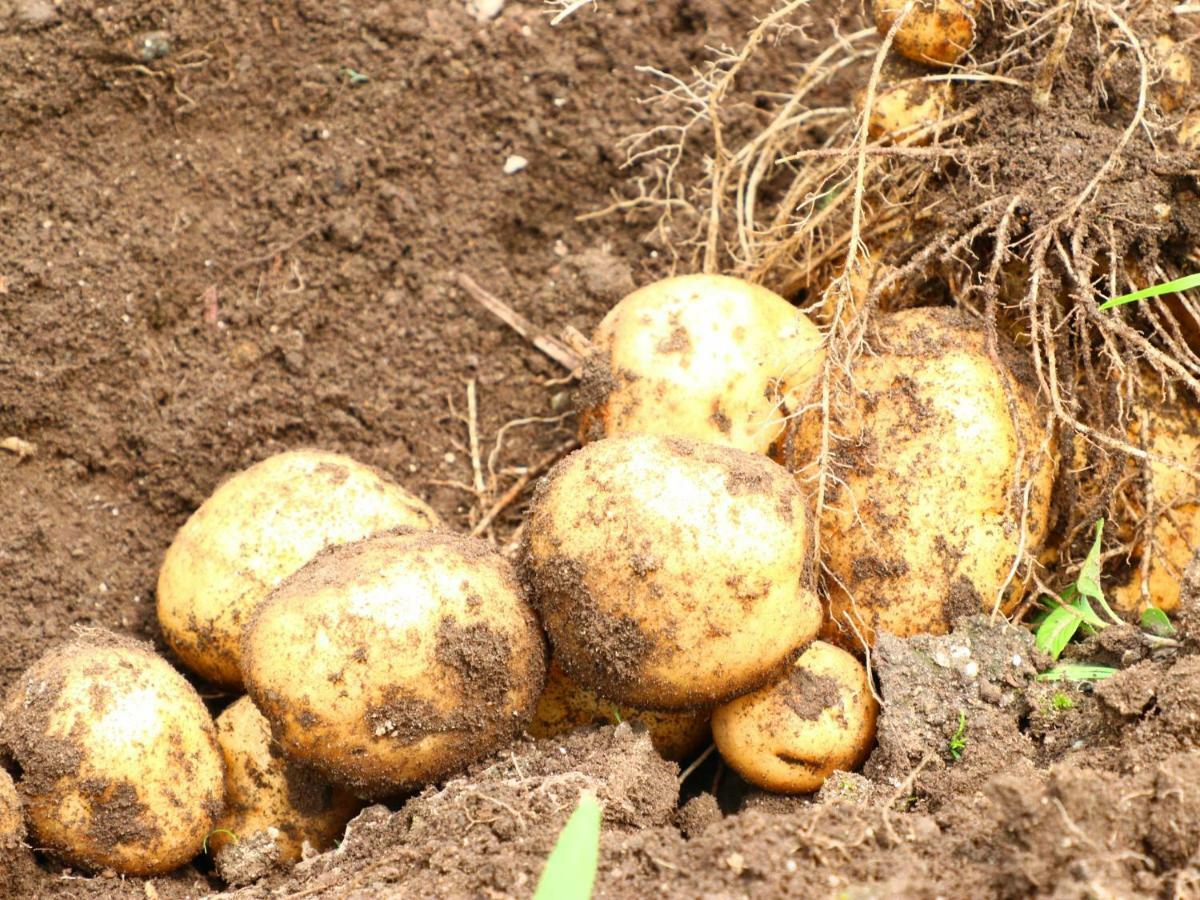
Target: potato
<point x="669" y="572"/>
<point x="923" y="517"/>
<point x="1175" y="73"/>
<point x="393" y="661"/>
<point x="265" y="792"/>
<point x="935" y="32"/>
<point x="700" y="356"/>
<point x="12" y="822"/>
<point x="790" y="736"/>
<point x="118" y="756"/>
<point x="1188" y="134"/>
<point x="1173" y="432"/>
<point x="565" y="706"/>
<point x="257" y="528"/>
<point x="906" y="107"/>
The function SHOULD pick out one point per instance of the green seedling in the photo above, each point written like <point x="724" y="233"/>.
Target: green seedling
<point x="617" y="715"/>
<point x="1076" y="672"/>
<point x="958" y="743"/>
<point x="1155" y="621"/>
<point x="204" y="846"/>
<point x="354" y="77"/>
<point x="570" y="871"/>
<point x="1061" y="701"/>
<point x="1186" y="283"/>
<point x="1072" y="609"/>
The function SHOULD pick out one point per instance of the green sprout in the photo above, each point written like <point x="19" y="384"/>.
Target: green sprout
<point x="570" y="871"/>
<point x="204" y="846"/>
<point x="958" y="743"/>
<point x="1076" y="672"/>
<point x="1186" y="283"/>
<point x="1061" y="701"/>
<point x="617" y="714"/>
<point x="1155" y="622"/>
<point x="352" y="76"/>
<point x="1071" y="611"/>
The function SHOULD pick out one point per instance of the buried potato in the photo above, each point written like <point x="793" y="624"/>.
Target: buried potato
<point x="118" y="756"/>
<point x="942" y="477"/>
<point x="934" y="32"/>
<point x="565" y="705"/>
<point x="395" y="660"/>
<point x="257" y="528"/>
<point x="267" y="793"/>
<point x="707" y="357"/>
<point x="669" y="572"/>
<point x="12" y="822"/>
<point x="790" y="736"/>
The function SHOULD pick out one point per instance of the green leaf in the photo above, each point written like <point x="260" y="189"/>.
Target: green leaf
<point x="570" y="870"/>
<point x="1155" y="621"/>
<point x="1088" y="582"/>
<point x="1056" y="632"/>
<point x="1076" y="672"/>
<point x="1186" y="283"/>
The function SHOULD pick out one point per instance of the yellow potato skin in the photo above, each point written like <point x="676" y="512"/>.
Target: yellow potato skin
<point x="923" y="521"/>
<point x="1173" y="432"/>
<point x="258" y="527"/>
<point x="12" y="822"/>
<point x="669" y="572"/>
<point x="904" y="108"/>
<point x="788" y="737"/>
<point x="393" y="661"/>
<point x="119" y="758"/>
<point x="565" y="706"/>
<point x="1175" y="71"/>
<point x="935" y="32"/>
<point x="264" y="790"/>
<point x="707" y="357"/>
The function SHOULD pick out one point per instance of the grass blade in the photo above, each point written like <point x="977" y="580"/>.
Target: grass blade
<point x="1186" y="283"/>
<point x="570" y="871"/>
<point x="1076" y="672"/>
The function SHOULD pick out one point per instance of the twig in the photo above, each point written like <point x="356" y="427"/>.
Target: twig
<point x="550" y="346"/>
<point x="473" y="437"/>
<point x="519" y="485"/>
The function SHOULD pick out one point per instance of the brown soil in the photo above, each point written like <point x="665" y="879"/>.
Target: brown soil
<point x="219" y="241"/>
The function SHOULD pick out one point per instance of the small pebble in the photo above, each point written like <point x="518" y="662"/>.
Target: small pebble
<point x="485" y="10"/>
<point x="515" y="164"/>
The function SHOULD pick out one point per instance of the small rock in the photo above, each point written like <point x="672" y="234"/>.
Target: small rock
<point x="485" y="10"/>
<point x="35" y="12"/>
<point x="515" y="164"/>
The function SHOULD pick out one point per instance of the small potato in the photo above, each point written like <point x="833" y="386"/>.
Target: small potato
<point x="257" y="528"/>
<point x="1188" y="134"/>
<point x="118" y="756"/>
<point x="933" y="465"/>
<point x="700" y="356"/>
<point x="566" y="706"/>
<point x="935" y="32"/>
<point x="265" y="792"/>
<point x="1175" y="73"/>
<point x="1173" y="432"/>
<point x="905" y="108"/>
<point x="669" y="572"/>
<point x="12" y="823"/>
<point x="393" y="661"/>
<point x="790" y="736"/>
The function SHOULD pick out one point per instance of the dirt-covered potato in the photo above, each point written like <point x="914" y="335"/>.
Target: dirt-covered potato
<point x="395" y="660"/>
<point x="935" y="453"/>
<point x="1174" y="66"/>
<point x="1188" y="134"/>
<point x="700" y="356"/>
<point x="790" y="736"/>
<point x="902" y="109"/>
<point x="1172" y="432"/>
<point x="565" y="705"/>
<point x="266" y="792"/>
<point x="260" y="526"/>
<point x="12" y="822"/>
<point x="669" y="572"/>
<point x="935" y="32"/>
<point x="118" y="756"/>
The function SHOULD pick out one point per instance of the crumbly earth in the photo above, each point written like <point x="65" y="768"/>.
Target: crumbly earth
<point x="232" y="229"/>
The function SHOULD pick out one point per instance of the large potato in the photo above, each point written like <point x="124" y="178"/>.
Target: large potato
<point x="565" y="705"/>
<point x="670" y="573"/>
<point x="393" y="661"/>
<point x="118" y="756"/>
<point x="790" y="736"/>
<point x="930" y="462"/>
<point x="257" y="528"/>
<point x="1173" y="433"/>
<point x="700" y="356"/>
<point x="267" y="793"/>
<point x="935" y="32"/>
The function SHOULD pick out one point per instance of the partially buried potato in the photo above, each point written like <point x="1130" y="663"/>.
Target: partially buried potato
<point x="790" y="736"/>
<point x="396" y="660"/>
<point x="565" y="705"/>
<point x="701" y="356"/>
<point x="267" y="793"/>
<point x="12" y="822"/>
<point x="669" y="572"/>
<point x="936" y="451"/>
<point x="260" y="526"/>
<point x="1170" y="431"/>
<point x="907" y="108"/>
<point x="118" y="756"/>
<point x="934" y="32"/>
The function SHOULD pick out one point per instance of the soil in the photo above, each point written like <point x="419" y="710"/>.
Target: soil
<point x="231" y="229"/>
